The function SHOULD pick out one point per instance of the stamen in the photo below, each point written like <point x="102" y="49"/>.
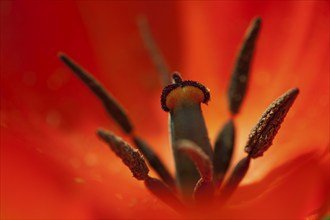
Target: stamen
<point x="130" y="156"/>
<point x="240" y="75"/>
<point x="197" y="155"/>
<point x="236" y="177"/>
<point x="198" y="169"/>
<point x="135" y="162"/>
<point x="160" y="190"/>
<point x="154" y="162"/>
<point x="262" y="135"/>
<point x="116" y="112"/>
<point x="204" y="188"/>
<point x="153" y="50"/>
<point x="223" y="151"/>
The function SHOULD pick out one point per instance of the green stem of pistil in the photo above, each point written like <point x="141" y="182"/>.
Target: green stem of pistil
<point x="187" y="122"/>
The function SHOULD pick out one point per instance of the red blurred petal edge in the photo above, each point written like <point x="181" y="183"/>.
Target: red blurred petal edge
<point x="54" y="167"/>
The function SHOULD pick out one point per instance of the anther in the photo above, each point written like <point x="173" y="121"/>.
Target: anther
<point x="154" y="161"/>
<point x="130" y="156"/>
<point x="262" y="135"/>
<point x="118" y="114"/>
<point x="240" y="76"/>
<point x="114" y="109"/>
<point x="135" y="162"/>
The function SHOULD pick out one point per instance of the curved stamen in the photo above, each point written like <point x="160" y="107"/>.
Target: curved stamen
<point x="114" y="109"/>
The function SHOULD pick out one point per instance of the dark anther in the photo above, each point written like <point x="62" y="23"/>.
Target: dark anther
<point x="130" y="156"/>
<point x="262" y="135"/>
<point x="240" y="76"/>
<point x="114" y="109"/>
<point x="154" y="162"/>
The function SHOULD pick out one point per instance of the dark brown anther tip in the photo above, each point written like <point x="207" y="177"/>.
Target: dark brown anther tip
<point x="130" y="156"/>
<point x="254" y="28"/>
<point x="60" y="54"/>
<point x="262" y="135"/>
<point x="154" y="161"/>
<point x="257" y="21"/>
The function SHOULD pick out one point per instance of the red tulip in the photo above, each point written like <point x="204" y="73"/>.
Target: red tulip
<point x="53" y="166"/>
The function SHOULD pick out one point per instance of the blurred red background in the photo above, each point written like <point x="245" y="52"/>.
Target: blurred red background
<point x="54" y="167"/>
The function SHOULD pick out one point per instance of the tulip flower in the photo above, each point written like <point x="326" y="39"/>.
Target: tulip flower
<point x="53" y="165"/>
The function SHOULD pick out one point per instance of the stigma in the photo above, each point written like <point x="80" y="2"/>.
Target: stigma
<point x="182" y="93"/>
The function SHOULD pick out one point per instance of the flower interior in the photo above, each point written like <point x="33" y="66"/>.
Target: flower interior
<point x="200" y="166"/>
